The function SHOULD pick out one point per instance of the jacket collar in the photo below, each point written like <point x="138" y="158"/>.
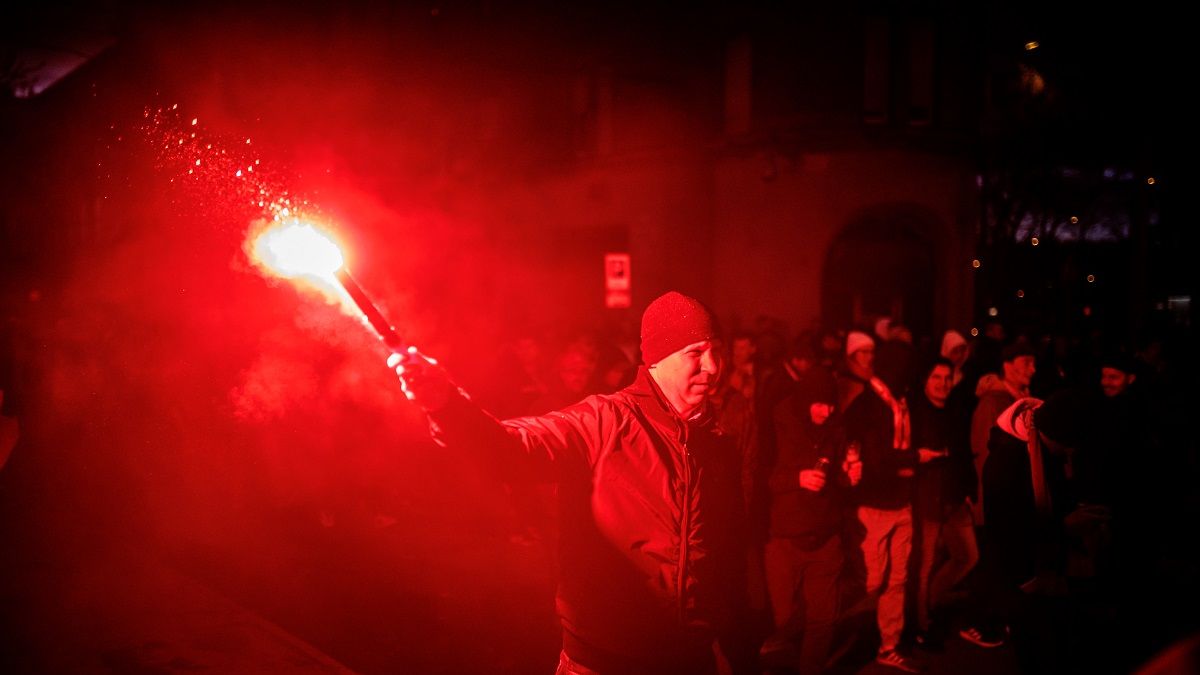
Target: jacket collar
<point x="649" y="397"/>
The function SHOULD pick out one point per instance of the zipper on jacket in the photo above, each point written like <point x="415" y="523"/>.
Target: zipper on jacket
<point x="685" y="523"/>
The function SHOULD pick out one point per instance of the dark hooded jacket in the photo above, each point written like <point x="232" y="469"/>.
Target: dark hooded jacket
<point x="809" y="517"/>
<point x="1022" y="540"/>
<point x="651" y="522"/>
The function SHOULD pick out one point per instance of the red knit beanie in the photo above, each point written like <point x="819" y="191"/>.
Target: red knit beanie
<point x="673" y="321"/>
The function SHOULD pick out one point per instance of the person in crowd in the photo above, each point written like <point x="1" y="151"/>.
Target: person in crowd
<point x="956" y="350"/>
<point x="1117" y="375"/>
<point x="1129" y="437"/>
<point x="802" y="357"/>
<point x="809" y="484"/>
<point x="878" y="420"/>
<point x="650" y="546"/>
<point x="742" y="375"/>
<point x="857" y="368"/>
<point x="943" y="489"/>
<point x="1030" y="512"/>
<point x="996" y="392"/>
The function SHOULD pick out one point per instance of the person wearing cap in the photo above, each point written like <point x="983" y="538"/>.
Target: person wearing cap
<point x="858" y="367"/>
<point x="1116" y="469"/>
<point x="878" y="420"/>
<point x="651" y="555"/>
<point x="1117" y="374"/>
<point x="996" y="392"/>
<point x="955" y="349"/>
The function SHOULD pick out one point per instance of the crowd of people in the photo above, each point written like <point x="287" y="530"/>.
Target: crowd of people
<point x="996" y="490"/>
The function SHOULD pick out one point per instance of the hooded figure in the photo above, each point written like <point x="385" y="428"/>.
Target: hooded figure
<point x="955" y="349"/>
<point x="804" y="552"/>
<point x="1025" y="486"/>
<point x="808" y="430"/>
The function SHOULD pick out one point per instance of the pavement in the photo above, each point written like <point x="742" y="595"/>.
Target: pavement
<point x="126" y="612"/>
<point x="322" y="599"/>
<point x="342" y="602"/>
<point x="423" y="589"/>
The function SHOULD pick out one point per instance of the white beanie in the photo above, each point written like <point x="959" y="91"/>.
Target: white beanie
<point x="950" y="340"/>
<point x="883" y="327"/>
<point x="856" y="340"/>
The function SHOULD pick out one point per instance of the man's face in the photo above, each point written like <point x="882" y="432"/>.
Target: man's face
<point x="937" y="385"/>
<point x="686" y="376"/>
<point x="1114" y="381"/>
<point x="863" y="358"/>
<point x="1019" y="371"/>
<point x="819" y="412"/>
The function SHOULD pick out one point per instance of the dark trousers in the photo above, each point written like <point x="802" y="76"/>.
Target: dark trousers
<point x="804" y="597"/>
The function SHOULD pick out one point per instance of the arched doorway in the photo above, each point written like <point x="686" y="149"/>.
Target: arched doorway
<point x="884" y="263"/>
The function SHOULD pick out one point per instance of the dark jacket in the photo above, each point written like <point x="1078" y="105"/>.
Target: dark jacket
<point x="945" y="482"/>
<point x="887" y="470"/>
<point x="993" y="397"/>
<point x="1022" y="541"/>
<point x="809" y="517"/>
<point x="650" y="518"/>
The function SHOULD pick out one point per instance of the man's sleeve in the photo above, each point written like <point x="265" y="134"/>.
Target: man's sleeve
<point x="526" y="447"/>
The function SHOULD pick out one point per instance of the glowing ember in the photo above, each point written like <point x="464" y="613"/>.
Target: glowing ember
<point x="283" y="241"/>
<point x="298" y="249"/>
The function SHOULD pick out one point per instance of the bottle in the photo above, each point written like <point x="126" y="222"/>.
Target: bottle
<point x="852" y="454"/>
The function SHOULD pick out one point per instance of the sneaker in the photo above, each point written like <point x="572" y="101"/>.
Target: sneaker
<point x="894" y="659"/>
<point x="974" y="635"/>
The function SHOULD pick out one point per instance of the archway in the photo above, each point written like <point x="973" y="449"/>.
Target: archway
<point x="885" y="263"/>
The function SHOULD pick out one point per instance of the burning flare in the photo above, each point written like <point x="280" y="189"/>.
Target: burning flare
<point x="297" y="249"/>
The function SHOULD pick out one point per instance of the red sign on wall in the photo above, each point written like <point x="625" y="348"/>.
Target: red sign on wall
<point x="616" y="281"/>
